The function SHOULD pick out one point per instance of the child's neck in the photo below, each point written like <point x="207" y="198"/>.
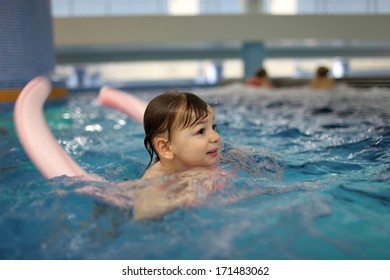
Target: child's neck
<point x="169" y="166"/>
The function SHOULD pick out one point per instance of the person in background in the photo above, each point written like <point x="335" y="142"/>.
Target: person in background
<point x="322" y="79"/>
<point x="260" y="79"/>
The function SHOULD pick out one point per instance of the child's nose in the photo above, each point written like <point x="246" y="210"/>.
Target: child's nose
<point x="214" y="137"/>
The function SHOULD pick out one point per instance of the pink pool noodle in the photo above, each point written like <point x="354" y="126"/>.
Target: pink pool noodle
<point x="124" y="102"/>
<point x="35" y="135"/>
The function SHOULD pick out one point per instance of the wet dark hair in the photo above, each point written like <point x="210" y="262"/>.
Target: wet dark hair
<point x="170" y="111"/>
<point x="322" y="71"/>
<point x="261" y="72"/>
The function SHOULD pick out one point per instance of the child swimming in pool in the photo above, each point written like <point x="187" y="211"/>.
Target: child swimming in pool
<point x="180" y="138"/>
<point x="183" y="144"/>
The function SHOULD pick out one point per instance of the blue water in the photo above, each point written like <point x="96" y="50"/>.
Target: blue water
<point x="311" y="182"/>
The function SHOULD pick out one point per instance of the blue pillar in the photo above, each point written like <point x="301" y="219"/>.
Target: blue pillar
<point x="218" y="70"/>
<point x="26" y="42"/>
<point x="253" y="55"/>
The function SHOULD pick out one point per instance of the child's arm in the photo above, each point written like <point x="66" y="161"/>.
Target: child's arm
<point x="112" y="194"/>
<point x="157" y="200"/>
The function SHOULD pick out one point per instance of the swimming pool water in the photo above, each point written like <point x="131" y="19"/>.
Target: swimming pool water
<point x="312" y="182"/>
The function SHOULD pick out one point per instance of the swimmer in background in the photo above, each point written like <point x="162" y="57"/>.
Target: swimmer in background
<point x="183" y="144"/>
<point x="321" y="79"/>
<point x="260" y="79"/>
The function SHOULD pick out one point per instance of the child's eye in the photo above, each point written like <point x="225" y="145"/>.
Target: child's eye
<point x="214" y="127"/>
<point x="202" y="131"/>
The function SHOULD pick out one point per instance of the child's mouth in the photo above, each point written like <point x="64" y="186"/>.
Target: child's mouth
<point x="213" y="153"/>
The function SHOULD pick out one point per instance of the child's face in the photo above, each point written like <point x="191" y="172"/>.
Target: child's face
<point x="197" y="145"/>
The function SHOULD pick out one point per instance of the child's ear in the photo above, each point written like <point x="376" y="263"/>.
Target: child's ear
<point x="163" y="148"/>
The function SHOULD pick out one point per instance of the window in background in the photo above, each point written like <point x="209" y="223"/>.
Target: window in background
<point x="196" y="72"/>
<point x="206" y="71"/>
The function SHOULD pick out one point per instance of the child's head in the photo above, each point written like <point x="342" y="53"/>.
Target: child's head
<point x="170" y="112"/>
